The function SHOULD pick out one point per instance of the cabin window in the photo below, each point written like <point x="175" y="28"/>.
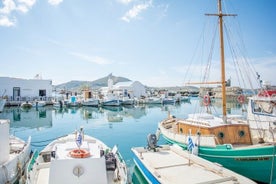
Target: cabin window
<point x="181" y="130"/>
<point x="221" y="135"/>
<point x="241" y="133"/>
<point x="264" y="107"/>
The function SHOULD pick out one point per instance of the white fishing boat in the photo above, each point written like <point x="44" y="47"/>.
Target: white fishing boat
<point x="93" y="102"/>
<point x="77" y="158"/>
<point x="72" y="102"/>
<point x="58" y="104"/>
<point x="127" y="100"/>
<point x="111" y="99"/>
<point x="153" y="100"/>
<point x="88" y="99"/>
<point x="168" y="100"/>
<point x="165" y="99"/>
<point x="26" y="105"/>
<point x="14" y="154"/>
<point x="169" y="164"/>
<point x="261" y="114"/>
<point x="40" y="103"/>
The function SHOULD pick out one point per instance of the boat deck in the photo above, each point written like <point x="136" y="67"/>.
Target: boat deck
<point x="173" y="166"/>
<point x="57" y="163"/>
<point x="43" y="176"/>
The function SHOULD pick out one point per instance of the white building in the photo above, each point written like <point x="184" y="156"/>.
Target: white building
<point x="16" y="89"/>
<point x="130" y="88"/>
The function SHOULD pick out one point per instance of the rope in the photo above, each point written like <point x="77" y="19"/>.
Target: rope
<point x="237" y="48"/>
<point x="208" y="66"/>
<point x="48" y="140"/>
<point x="37" y="143"/>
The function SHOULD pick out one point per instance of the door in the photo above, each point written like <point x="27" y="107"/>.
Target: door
<point x="16" y="93"/>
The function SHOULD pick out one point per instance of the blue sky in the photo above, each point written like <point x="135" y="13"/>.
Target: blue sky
<point x="151" y="41"/>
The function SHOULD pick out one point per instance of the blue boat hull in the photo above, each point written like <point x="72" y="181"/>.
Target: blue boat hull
<point x="146" y="173"/>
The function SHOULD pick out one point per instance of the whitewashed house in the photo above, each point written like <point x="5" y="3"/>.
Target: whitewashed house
<point x="133" y="89"/>
<point x="16" y="89"/>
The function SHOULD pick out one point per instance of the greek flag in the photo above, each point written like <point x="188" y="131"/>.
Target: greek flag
<point x="79" y="139"/>
<point x="190" y="144"/>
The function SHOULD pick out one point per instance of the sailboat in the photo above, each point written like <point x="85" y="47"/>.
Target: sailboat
<point x="225" y="140"/>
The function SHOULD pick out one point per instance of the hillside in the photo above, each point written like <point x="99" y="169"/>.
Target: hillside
<point x="75" y="85"/>
<point x="102" y="82"/>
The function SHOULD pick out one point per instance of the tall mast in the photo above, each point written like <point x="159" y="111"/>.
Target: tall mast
<point x="223" y="81"/>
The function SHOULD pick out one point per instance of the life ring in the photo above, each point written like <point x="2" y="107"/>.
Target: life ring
<point x="79" y="153"/>
<point x="206" y="100"/>
<point x="241" y="99"/>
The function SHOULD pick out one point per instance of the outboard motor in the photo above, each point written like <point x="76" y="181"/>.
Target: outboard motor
<point x="110" y="161"/>
<point x="152" y="141"/>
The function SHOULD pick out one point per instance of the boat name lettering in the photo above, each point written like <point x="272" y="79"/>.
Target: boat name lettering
<point x="252" y="159"/>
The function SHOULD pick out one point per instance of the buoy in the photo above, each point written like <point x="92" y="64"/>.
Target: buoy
<point x="241" y="99"/>
<point x="206" y="100"/>
<point x="79" y="153"/>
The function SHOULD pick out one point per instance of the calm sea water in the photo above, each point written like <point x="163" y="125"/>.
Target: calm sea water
<point x="123" y="126"/>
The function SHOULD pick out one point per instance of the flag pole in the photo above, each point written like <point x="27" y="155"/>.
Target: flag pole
<point x="190" y="146"/>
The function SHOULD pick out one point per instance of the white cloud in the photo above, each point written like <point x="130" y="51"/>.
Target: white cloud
<point x="28" y="3"/>
<point x="10" y="7"/>
<point x="6" y="22"/>
<point x="25" y="5"/>
<point x="92" y="59"/>
<point x="22" y="8"/>
<point x="136" y="10"/>
<point x="54" y="2"/>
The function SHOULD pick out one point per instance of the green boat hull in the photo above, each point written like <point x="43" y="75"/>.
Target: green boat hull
<point x="256" y="163"/>
<point x="137" y="177"/>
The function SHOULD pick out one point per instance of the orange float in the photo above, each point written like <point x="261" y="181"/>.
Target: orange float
<point x="79" y="153"/>
<point x="206" y="100"/>
<point x="241" y="98"/>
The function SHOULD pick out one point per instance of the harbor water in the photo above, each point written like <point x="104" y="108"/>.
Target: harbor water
<point x="126" y="126"/>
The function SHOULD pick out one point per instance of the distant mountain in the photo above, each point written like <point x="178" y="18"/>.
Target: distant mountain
<point x="77" y="85"/>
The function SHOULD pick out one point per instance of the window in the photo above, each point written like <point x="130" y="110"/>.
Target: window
<point x="42" y="92"/>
